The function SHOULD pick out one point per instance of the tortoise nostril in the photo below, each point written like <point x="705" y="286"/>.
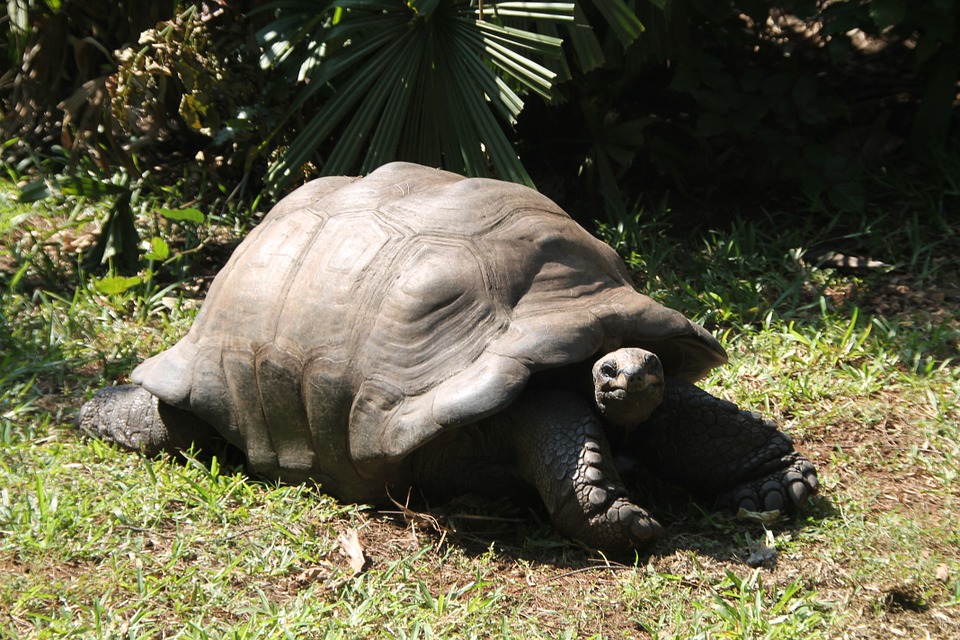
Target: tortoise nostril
<point x="642" y="377"/>
<point x="635" y="373"/>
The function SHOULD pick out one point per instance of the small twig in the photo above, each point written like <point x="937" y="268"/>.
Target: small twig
<point x="152" y="532"/>
<point x="574" y="572"/>
<point x="473" y="516"/>
<point x="412" y="516"/>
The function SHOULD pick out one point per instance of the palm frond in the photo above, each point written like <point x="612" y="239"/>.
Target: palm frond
<point x="624" y="23"/>
<point x="425" y="80"/>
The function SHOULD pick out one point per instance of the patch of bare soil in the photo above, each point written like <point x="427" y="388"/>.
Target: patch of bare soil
<point x="595" y="593"/>
<point x="881" y="449"/>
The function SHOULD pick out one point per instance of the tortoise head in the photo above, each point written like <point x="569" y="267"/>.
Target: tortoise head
<point x="628" y="386"/>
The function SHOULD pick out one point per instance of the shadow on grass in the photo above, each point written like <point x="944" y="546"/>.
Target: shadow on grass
<point x="519" y="528"/>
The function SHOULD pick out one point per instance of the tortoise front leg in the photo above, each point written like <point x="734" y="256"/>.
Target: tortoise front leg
<point x="562" y="450"/>
<point x="716" y="450"/>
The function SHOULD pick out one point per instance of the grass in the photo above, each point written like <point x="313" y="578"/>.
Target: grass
<point x="861" y="369"/>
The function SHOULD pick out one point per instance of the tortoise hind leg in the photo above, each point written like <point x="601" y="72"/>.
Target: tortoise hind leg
<point x="562" y="450"/>
<point x="137" y="420"/>
<point x="715" y="449"/>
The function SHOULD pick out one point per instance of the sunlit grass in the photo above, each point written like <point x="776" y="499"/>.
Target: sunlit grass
<point x="95" y="542"/>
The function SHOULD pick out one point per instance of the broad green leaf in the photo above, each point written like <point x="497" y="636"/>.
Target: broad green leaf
<point x="534" y="76"/>
<point x="192" y="215"/>
<point x="356" y="134"/>
<point x="417" y="81"/>
<point x="116" y="284"/>
<point x="520" y="39"/>
<point x="159" y="250"/>
<point x="88" y="187"/>
<point x="118" y="242"/>
<point x="586" y="47"/>
<point x="530" y="10"/>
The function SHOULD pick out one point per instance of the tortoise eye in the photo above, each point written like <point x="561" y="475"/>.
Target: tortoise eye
<point x="608" y="369"/>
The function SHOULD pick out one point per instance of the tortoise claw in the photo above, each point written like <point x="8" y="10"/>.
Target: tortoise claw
<point x="786" y="489"/>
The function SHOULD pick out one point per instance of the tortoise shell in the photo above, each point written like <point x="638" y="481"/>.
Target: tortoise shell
<point x="363" y="316"/>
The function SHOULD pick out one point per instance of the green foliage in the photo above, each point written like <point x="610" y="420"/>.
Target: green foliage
<point x="164" y="83"/>
<point x="417" y="81"/>
<point x="751" y="102"/>
<point x="151" y="96"/>
<point x="194" y="79"/>
<point x="118" y="249"/>
<point x="612" y="99"/>
<point x="61" y="54"/>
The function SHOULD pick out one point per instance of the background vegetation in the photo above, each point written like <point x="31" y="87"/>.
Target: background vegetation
<point x="786" y="173"/>
<point x="612" y="98"/>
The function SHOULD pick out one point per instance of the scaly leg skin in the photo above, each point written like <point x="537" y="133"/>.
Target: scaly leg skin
<point x="562" y="450"/>
<point x="137" y="420"/>
<point x="716" y="450"/>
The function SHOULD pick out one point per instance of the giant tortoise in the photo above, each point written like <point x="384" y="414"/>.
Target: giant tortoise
<point x="414" y="328"/>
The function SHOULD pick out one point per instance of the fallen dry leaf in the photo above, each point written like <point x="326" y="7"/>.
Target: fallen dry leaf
<point x="942" y="573"/>
<point x="762" y="552"/>
<point x="765" y="518"/>
<point x="313" y="574"/>
<point x="350" y="547"/>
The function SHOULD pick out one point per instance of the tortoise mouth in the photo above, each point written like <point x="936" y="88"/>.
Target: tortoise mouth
<point x="628" y="408"/>
<point x="652" y="390"/>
